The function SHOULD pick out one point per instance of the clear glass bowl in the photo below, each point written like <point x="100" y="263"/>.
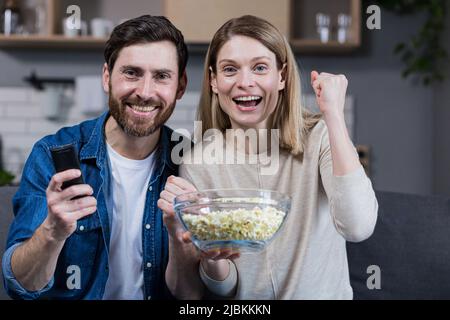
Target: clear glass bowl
<point x="243" y="220"/>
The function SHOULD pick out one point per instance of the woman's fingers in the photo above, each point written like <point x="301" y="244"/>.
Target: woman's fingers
<point x="173" y="225"/>
<point x="186" y="237"/>
<point x="183" y="235"/>
<point x="314" y="75"/>
<point x="316" y="87"/>
<point x="167" y="196"/>
<point x="174" y="189"/>
<point x="181" y="183"/>
<point x="165" y="206"/>
<point x="234" y="256"/>
<point x="219" y="254"/>
<point x="224" y="254"/>
<point x="210" y="254"/>
<point x="326" y="74"/>
<point x="316" y="80"/>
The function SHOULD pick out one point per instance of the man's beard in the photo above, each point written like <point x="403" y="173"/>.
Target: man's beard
<point x="138" y="126"/>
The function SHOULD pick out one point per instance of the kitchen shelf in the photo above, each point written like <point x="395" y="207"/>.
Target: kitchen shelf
<point x="294" y="18"/>
<point x="54" y="41"/>
<point x="56" y="10"/>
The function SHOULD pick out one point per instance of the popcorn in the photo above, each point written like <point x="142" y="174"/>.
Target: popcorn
<point x="236" y="224"/>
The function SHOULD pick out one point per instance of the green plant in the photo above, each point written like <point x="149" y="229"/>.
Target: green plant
<point x="5" y="177"/>
<point x="423" y="54"/>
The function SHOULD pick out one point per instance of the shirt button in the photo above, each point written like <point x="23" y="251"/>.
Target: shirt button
<point x="149" y="264"/>
<point x="149" y="297"/>
<point x="147" y="226"/>
<point x="81" y="228"/>
<point x="150" y="188"/>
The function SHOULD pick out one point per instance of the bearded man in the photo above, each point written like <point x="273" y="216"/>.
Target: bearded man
<point x="104" y="239"/>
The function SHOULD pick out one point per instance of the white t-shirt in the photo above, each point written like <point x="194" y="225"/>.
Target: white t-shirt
<point x="129" y="184"/>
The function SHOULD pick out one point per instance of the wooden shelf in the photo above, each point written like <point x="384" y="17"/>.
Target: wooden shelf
<point x="54" y="41"/>
<point x="294" y="18"/>
<point x="87" y="42"/>
<point x="199" y="19"/>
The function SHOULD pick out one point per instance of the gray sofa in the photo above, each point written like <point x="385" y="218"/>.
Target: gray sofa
<point x="410" y="246"/>
<point x="6" y="217"/>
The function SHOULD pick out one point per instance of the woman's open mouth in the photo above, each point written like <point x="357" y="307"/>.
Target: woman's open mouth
<point x="247" y="103"/>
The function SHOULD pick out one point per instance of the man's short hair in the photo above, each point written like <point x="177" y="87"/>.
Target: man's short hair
<point x="144" y="29"/>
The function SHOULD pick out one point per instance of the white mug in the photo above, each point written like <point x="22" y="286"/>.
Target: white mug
<point x="101" y="28"/>
<point x="70" y="31"/>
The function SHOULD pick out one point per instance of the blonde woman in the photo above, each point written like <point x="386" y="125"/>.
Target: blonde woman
<point x="251" y="82"/>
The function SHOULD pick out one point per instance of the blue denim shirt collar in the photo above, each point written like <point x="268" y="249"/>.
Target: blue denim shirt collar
<point x="95" y="148"/>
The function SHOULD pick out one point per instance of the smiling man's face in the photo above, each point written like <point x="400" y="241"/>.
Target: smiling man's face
<point x="143" y="87"/>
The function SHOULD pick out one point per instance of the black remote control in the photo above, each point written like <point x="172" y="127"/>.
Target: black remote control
<point x="65" y="158"/>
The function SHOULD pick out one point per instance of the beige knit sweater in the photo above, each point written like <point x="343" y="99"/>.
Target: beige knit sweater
<point x="307" y="259"/>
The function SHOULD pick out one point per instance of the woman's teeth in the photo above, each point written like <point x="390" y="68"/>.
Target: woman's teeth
<point x="248" y="101"/>
<point x="248" y="98"/>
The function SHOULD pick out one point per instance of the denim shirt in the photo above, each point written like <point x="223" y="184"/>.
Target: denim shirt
<point x="86" y="250"/>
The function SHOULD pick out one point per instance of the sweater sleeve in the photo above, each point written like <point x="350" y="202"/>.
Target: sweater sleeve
<point x="351" y="197"/>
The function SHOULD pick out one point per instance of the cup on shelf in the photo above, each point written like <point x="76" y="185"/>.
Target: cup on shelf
<point x="323" y="26"/>
<point x="101" y="28"/>
<point x="71" y="30"/>
<point x="344" y="23"/>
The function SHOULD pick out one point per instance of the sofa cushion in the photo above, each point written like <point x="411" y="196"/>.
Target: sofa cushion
<point x="410" y="245"/>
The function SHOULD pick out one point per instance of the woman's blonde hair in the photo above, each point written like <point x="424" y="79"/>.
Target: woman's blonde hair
<point x="294" y="122"/>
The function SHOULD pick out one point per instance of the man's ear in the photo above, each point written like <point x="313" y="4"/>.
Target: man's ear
<point x="182" y="84"/>
<point x="106" y="78"/>
<point x="282" y="83"/>
<point x="213" y="81"/>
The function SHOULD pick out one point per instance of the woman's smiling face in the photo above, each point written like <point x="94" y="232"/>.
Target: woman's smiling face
<point x="247" y="82"/>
